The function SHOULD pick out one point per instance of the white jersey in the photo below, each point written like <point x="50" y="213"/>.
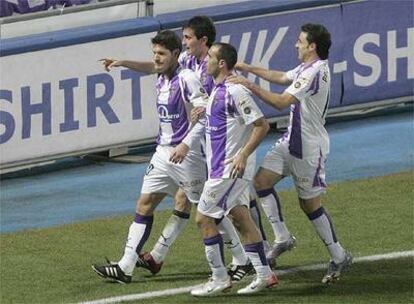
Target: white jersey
<point x="306" y="133"/>
<point x="230" y="113"/>
<point x="187" y="61"/>
<point x="175" y="98"/>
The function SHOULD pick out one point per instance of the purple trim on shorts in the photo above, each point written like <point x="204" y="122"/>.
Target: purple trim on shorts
<point x="218" y="239"/>
<point x="317" y="180"/>
<point x="223" y="201"/>
<point x="181" y="214"/>
<point x="295" y="142"/>
<point x="259" y="249"/>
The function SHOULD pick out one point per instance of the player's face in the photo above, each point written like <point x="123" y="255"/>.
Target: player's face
<point x="191" y="43"/>
<point x="303" y="47"/>
<point x="164" y="60"/>
<point x="213" y="62"/>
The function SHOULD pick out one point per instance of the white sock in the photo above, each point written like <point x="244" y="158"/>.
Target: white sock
<point x="215" y="257"/>
<point x="257" y="256"/>
<point x="326" y="231"/>
<point x="176" y="223"/>
<point x="232" y="241"/>
<point x="137" y="236"/>
<point x="271" y="206"/>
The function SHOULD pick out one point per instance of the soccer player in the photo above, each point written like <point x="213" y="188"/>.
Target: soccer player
<point x="234" y="128"/>
<point x="177" y="91"/>
<point x="303" y="149"/>
<point x="198" y="35"/>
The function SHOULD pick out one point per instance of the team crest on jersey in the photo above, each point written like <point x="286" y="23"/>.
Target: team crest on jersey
<point x="247" y="110"/>
<point x="202" y="91"/>
<point x="149" y="169"/>
<point x="297" y="85"/>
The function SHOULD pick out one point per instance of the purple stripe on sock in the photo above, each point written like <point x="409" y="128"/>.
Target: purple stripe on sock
<point x="257" y="247"/>
<point x="147" y="221"/>
<point x="332" y="227"/>
<point x="218" y="239"/>
<point x="279" y="207"/>
<point x="253" y="204"/>
<point x="143" y="219"/>
<point x="265" y="192"/>
<point x="181" y="214"/>
<point x="315" y="214"/>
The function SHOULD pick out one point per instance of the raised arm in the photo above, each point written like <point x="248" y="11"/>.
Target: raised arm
<point x="278" y="101"/>
<point x="146" y="67"/>
<point x="278" y="77"/>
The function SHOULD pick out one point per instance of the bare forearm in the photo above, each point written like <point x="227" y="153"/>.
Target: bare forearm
<point x="146" y="67"/>
<point x="272" y="99"/>
<point x="273" y="76"/>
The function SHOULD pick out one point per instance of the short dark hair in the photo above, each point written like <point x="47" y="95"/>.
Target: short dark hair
<point x="228" y="53"/>
<point x="168" y="39"/>
<point x="319" y="35"/>
<point x="202" y="26"/>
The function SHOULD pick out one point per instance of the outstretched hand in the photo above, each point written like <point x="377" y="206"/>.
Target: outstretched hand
<point x="109" y="63"/>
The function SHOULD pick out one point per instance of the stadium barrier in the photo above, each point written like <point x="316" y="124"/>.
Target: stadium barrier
<point x="56" y="100"/>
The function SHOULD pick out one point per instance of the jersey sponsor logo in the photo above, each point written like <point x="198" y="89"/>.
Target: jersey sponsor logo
<point x="149" y="169"/>
<point x="164" y="114"/>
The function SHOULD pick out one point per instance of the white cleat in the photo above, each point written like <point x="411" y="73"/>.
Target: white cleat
<point x="212" y="287"/>
<point x="258" y="284"/>
<point x="281" y="247"/>
<point x="335" y="270"/>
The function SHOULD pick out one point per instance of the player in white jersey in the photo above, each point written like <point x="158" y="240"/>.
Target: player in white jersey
<point x="234" y="128"/>
<point x="198" y="35"/>
<point x="178" y="90"/>
<point x="303" y="149"/>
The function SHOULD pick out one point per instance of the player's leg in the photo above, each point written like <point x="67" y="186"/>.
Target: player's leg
<point x="310" y="188"/>
<point x="138" y="234"/>
<point x="254" y="248"/>
<point x="209" y="209"/>
<point x="256" y="216"/>
<point x="284" y="241"/>
<point x="240" y="265"/>
<point x="176" y="223"/>
<point x="272" y="170"/>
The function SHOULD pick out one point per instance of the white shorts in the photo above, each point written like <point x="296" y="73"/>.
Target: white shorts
<point x="163" y="176"/>
<point x="221" y="195"/>
<point x="308" y="173"/>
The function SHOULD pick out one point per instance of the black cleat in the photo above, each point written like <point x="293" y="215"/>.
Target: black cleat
<point x="112" y="271"/>
<point x="238" y="272"/>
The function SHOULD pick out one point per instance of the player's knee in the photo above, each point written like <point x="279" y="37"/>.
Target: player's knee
<point x="181" y="202"/>
<point x="261" y="183"/>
